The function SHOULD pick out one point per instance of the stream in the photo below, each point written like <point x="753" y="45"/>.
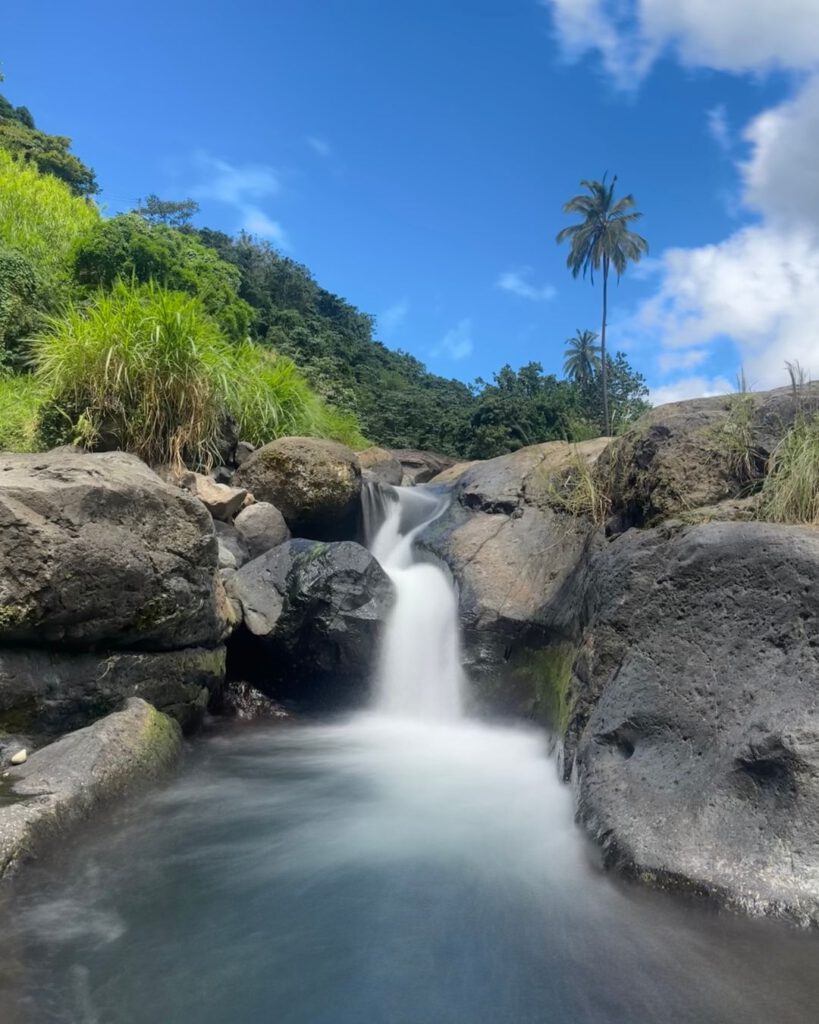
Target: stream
<point x="405" y="865"/>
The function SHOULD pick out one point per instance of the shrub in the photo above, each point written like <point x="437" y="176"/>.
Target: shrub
<point x="141" y="369"/>
<point x="20" y="398"/>
<point x="269" y="398"/>
<point x="147" y="370"/>
<point x="790" y="493"/>
<point x="41" y="219"/>
<point x="129" y="248"/>
<point x="21" y="301"/>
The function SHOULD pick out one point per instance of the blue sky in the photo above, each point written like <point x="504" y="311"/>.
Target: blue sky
<point x="416" y="156"/>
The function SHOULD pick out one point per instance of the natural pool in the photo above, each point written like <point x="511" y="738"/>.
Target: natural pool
<point x="376" y="871"/>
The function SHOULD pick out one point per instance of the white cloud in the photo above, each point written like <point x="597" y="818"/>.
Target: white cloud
<point x="393" y="317"/>
<point x="780" y="177"/>
<point x="457" y="342"/>
<point x="514" y="281"/>
<point x="730" y="35"/>
<point x="690" y="387"/>
<point x="319" y="146"/>
<point x="717" y="122"/>
<point x="759" y="288"/>
<point x="241" y="187"/>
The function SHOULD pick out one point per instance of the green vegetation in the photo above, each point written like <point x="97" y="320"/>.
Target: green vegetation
<point x="790" y="493"/>
<point x="129" y="248"/>
<point x="581" y="491"/>
<point x="20" y="400"/>
<point x="144" y="332"/>
<point x="604" y="240"/>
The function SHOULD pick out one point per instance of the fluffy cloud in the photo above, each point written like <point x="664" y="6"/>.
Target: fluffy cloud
<point x="758" y="289"/>
<point x="690" y="387"/>
<point x="514" y="281"/>
<point x="730" y="35"/>
<point x="243" y="188"/>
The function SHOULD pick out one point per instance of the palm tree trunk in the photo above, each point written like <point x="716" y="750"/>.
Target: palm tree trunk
<point x="603" y="360"/>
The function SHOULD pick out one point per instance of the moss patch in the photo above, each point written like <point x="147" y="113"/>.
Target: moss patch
<point x="547" y="674"/>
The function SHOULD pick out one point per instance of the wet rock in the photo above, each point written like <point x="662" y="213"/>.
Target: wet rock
<point x="244" y="701"/>
<point x="49" y="692"/>
<point x="694" y="712"/>
<point x="261" y="527"/>
<point x="381" y="465"/>
<point x="312" y="612"/>
<point x="97" y="550"/>
<point x="315" y="484"/>
<point x="63" y="783"/>
<point x="518" y="560"/>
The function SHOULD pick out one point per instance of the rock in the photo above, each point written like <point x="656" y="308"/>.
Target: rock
<point x="694" y="713"/>
<point x="231" y="539"/>
<point x="20" y="757"/>
<point x="243" y="452"/>
<point x="222" y="501"/>
<point x="97" y="551"/>
<point x="696" y="453"/>
<point x="261" y="527"/>
<point x="315" y="484"/>
<point x="420" y="467"/>
<point x="243" y="701"/>
<point x="61" y="784"/>
<point x="227" y="560"/>
<point x="312" y="612"/>
<point x="380" y="465"/>
<point x="519" y="562"/>
<point x="49" y="692"/>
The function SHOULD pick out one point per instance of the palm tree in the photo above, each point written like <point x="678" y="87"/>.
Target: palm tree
<point x="602" y="239"/>
<point x="582" y="357"/>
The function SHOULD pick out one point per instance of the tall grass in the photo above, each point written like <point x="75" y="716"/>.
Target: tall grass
<point x="40" y="218"/>
<point x="581" y="491"/>
<point x="790" y="493"/>
<point x="20" y="400"/>
<point x="146" y="370"/>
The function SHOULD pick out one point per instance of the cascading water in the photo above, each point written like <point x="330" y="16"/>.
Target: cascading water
<point x="419" y="671"/>
<point x="406" y="866"/>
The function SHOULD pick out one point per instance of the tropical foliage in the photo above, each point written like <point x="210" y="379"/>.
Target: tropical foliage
<point x="603" y="240"/>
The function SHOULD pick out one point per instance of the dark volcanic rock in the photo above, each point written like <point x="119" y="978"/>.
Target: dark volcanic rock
<point x="315" y="484"/>
<point x="315" y="610"/>
<point x="519" y="562"/>
<point x="697" y="453"/>
<point x="234" y="542"/>
<point x="67" y="780"/>
<point x="97" y="550"/>
<point x="695" y="718"/>
<point x="56" y="691"/>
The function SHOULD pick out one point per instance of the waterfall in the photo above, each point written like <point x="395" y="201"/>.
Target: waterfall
<point x="419" y="669"/>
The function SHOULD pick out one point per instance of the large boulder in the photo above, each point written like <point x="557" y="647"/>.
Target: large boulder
<point x="419" y="467"/>
<point x="66" y="781"/>
<point x="315" y="484"/>
<point x="693" y="715"/>
<point x="45" y="692"/>
<point x="312" y="612"/>
<point x="517" y="557"/>
<point x="260" y="527"/>
<point x="381" y="465"/>
<point x="688" y="455"/>
<point x="96" y="550"/>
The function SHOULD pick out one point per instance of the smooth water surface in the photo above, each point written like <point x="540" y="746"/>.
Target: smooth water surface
<point x="375" y="872"/>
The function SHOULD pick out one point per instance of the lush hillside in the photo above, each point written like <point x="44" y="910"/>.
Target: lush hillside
<point x="72" y="282"/>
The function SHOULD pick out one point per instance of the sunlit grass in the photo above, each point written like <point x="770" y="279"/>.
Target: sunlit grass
<point x="791" y="490"/>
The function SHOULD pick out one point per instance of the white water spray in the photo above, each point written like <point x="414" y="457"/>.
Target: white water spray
<point x="419" y="671"/>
